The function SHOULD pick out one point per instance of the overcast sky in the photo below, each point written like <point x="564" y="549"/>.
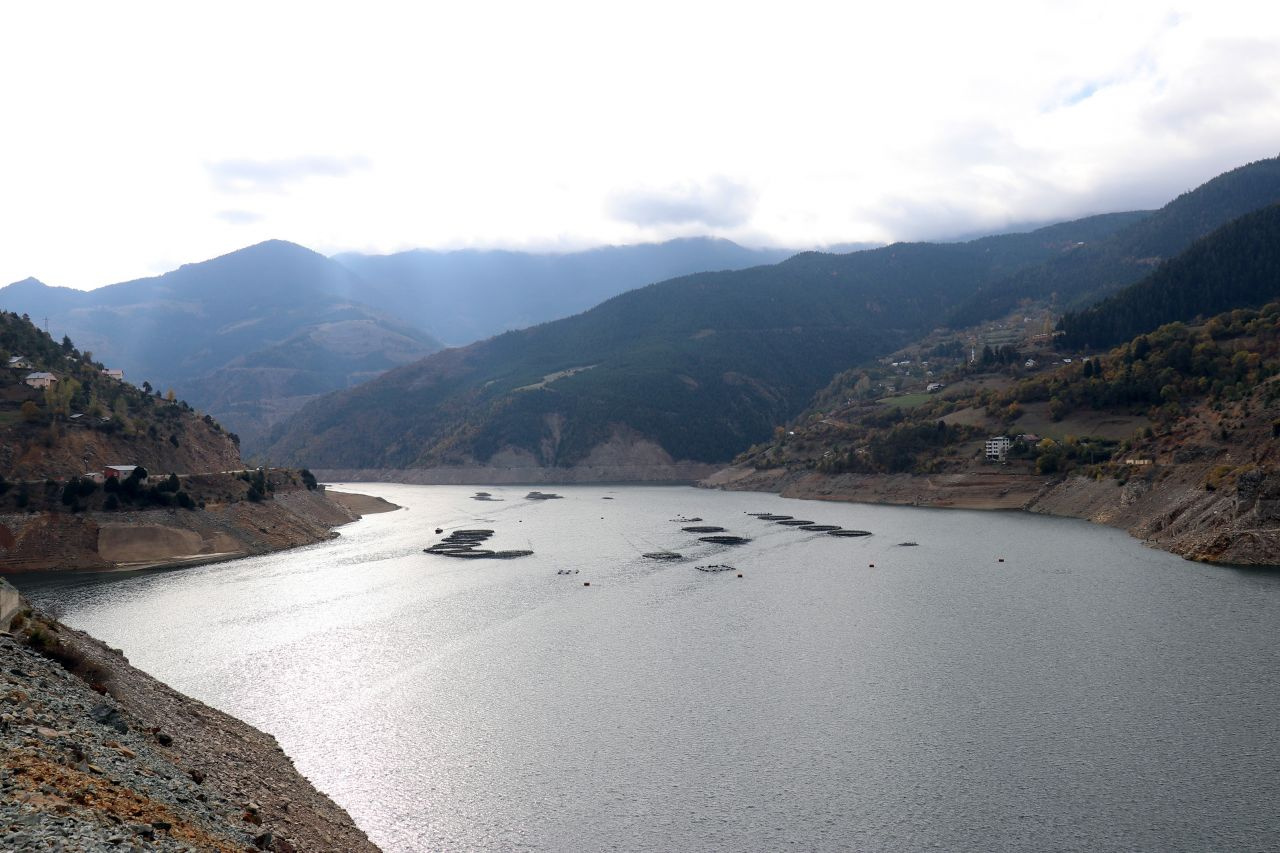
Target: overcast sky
<point x="137" y="137"/>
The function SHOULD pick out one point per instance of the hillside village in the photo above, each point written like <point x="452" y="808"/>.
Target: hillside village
<point x="97" y="473"/>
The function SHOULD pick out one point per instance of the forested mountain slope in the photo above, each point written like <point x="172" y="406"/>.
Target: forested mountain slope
<point x="701" y="366"/>
<point x="1098" y="268"/>
<point x="1237" y="266"/>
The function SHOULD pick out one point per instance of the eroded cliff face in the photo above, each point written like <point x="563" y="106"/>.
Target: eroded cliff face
<point x="1236" y="522"/>
<point x="100" y="756"/>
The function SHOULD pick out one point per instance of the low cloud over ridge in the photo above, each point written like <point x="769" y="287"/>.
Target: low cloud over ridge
<point x="717" y="203"/>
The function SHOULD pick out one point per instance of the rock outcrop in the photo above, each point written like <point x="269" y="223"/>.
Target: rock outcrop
<point x="100" y="756"/>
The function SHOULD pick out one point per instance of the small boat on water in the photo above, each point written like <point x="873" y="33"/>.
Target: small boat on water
<point x="907" y="544"/>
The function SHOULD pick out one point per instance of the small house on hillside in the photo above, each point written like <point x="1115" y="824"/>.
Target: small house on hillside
<point x="118" y="472"/>
<point x="997" y="448"/>
<point x="113" y="373"/>
<point x="934" y="386"/>
<point x="40" y="379"/>
<point x="19" y="362"/>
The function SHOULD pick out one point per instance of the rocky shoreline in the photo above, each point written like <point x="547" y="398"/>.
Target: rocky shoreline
<point x="98" y="755"/>
<point x="1167" y="507"/>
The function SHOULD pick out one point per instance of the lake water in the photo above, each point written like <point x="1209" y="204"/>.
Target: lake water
<point x="1084" y="694"/>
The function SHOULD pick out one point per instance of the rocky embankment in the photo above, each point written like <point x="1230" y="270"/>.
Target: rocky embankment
<point x="100" y="756"/>
<point x="142" y="538"/>
<point x="1168" y="507"/>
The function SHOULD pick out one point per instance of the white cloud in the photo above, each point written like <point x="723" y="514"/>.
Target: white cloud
<point x="246" y="175"/>
<point x="717" y="203"/>
<point x="155" y="130"/>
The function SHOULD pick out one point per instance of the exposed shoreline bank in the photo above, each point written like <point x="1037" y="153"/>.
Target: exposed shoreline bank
<point x="358" y="504"/>
<point x="174" y="538"/>
<point x="1167" y="508"/>
<point x="678" y="473"/>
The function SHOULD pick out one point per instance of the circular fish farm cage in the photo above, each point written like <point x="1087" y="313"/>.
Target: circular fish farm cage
<point x="664" y="555"/>
<point x="795" y="522"/>
<point x="463" y="544"/>
<point x="821" y="528"/>
<point x="708" y="529"/>
<point x="768" y="517"/>
<point x="724" y="540"/>
<point x="685" y="520"/>
<point x="715" y="568"/>
<point x="848" y="532"/>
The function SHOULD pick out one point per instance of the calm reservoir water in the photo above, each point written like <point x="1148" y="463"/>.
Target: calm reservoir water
<point x="1085" y="694"/>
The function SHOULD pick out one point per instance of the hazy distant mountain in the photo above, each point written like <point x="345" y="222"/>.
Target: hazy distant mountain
<point x="1101" y="267"/>
<point x="467" y="295"/>
<point x="702" y="365"/>
<point x="176" y="329"/>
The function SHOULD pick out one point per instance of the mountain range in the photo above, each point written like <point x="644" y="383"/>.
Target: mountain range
<point x="253" y="335"/>
<point x="700" y="367"/>
<point x="468" y="295"/>
<point x="337" y="362"/>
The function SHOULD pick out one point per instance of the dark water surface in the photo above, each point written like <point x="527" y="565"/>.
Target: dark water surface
<point x="1085" y="694"/>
